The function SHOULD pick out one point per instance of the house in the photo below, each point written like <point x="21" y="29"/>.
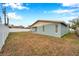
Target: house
<point x="51" y="28"/>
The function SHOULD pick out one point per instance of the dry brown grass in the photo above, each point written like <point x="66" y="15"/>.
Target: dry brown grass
<point x="33" y="44"/>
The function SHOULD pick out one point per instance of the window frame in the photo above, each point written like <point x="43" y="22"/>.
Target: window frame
<point x="35" y="29"/>
<point x="56" y="28"/>
<point x="43" y="28"/>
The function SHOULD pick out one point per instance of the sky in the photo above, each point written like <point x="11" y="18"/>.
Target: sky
<point x="27" y="13"/>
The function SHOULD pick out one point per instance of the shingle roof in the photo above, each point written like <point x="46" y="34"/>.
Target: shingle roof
<point x="49" y="21"/>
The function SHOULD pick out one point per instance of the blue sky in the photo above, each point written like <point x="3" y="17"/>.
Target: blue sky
<point x="27" y="13"/>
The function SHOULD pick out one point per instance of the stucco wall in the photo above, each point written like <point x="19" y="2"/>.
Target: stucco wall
<point x="4" y="31"/>
<point x="49" y="29"/>
<point x="64" y="30"/>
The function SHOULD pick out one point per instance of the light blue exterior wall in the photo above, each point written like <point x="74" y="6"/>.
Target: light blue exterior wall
<point x="64" y="30"/>
<point x="50" y="29"/>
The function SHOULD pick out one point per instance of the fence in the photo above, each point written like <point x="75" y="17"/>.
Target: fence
<point x="18" y="30"/>
<point x="4" y="31"/>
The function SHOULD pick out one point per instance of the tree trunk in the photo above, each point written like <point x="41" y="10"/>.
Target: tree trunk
<point x="7" y="21"/>
<point x="4" y="13"/>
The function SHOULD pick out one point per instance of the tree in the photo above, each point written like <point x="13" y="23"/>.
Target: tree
<point x="7" y="21"/>
<point x="75" y="23"/>
<point x="0" y="19"/>
<point x="4" y="13"/>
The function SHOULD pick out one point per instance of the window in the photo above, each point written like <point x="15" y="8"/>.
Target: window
<point x="35" y="28"/>
<point x="43" y="29"/>
<point x="56" y="28"/>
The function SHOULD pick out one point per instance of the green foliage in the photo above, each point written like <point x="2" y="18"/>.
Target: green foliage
<point x="75" y="23"/>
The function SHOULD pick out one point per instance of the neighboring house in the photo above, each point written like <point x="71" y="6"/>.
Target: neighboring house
<point x="51" y="28"/>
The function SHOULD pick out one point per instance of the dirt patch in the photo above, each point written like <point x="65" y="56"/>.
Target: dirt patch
<point x="28" y="44"/>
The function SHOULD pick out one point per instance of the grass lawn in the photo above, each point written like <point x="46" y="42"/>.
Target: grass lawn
<point x="28" y="44"/>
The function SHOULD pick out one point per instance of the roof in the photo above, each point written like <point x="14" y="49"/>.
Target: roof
<point x="48" y="21"/>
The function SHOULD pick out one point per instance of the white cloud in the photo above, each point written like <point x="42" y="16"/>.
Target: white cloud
<point x="68" y="4"/>
<point x="16" y="5"/>
<point x="14" y="16"/>
<point x="63" y="11"/>
<point x="71" y="4"/>
<point x="41" y="1"/>
<point x="72" y="17"/>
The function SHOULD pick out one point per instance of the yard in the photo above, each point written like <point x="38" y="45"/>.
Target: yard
<point x="30" y="44"/>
